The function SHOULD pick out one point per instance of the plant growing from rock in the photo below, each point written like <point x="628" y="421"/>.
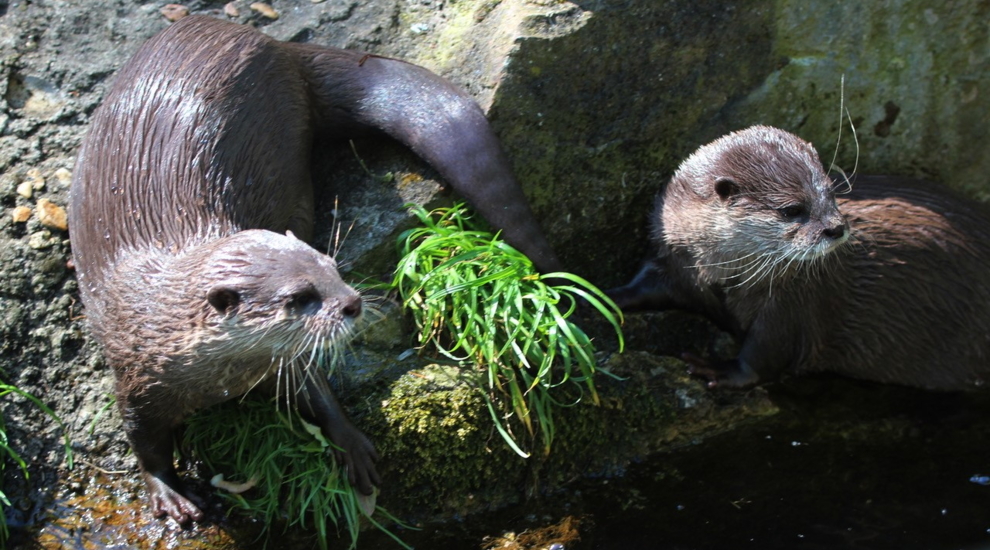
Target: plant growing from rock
<point x="480" y="302"/>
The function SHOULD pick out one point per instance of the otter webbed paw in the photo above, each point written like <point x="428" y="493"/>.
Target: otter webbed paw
<point x="358" y="456"/>
<point x="170" y="499"/>
<point x="733" y="373"/>
<point x="647" y="291"/>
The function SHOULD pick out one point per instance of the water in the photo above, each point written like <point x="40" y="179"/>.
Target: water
<point x="844" y="465"/>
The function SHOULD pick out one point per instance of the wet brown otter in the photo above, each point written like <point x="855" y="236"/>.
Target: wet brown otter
<point x="194" y="169"/>
<point x="888" y="281"/>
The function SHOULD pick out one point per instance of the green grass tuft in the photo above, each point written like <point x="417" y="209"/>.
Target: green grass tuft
<point x="297" y="480"/>
<point x="6" y="451"/>
<point x="480" y="302"/>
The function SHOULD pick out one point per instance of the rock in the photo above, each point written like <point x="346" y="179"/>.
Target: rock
<point x="265" y="10"/>
<point x="41" y="240"/>
<point x="174" y="12"/>
<point x="20" y="214"/>
<point x="52" y="215"/>
<point x="25" y="189"/>
<point x="64" y="177"/>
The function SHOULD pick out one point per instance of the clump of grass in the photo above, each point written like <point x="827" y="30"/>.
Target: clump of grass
<point x="481" y="302"/>
<point x="296" y="479"/>
<point x="9" y="452"/>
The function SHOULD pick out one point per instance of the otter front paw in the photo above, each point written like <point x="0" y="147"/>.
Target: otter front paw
<point x="358" y="457"/>
<point x="733" y="373"/>
<point x="167" y="500"/>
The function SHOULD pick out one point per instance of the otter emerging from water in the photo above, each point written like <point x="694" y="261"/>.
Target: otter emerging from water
<point x="188" y="195"/>
<point x="888" y="281"/>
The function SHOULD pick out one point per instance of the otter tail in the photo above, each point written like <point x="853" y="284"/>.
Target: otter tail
<point x="439" y="122"/>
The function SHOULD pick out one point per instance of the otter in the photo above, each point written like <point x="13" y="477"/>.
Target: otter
<point x="190" y="202"/>
<point x="880" y="278"/>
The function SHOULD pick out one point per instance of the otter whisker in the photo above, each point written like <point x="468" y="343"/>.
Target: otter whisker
<point x="767" y="260"/>
<point x="769" y="271"/>
<point x="842" y="106"/>
<point x="844" y="113"/>
<point x="726" y="262"/>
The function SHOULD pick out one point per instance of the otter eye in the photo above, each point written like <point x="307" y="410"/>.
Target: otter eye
<point x="305" y="300"/>
<point x="792" y="211"/>
<point x="223" y="298"/>
<point x="724" y="187"/>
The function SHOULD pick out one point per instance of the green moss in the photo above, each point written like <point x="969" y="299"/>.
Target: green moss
<point x="441" y="456"/>
<point x="445" y="42"/>
<point x="439" y="444"/>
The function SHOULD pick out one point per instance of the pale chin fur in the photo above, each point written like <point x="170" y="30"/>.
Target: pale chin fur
<point x="819" y="250"/>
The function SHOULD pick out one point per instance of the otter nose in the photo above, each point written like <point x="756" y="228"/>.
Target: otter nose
<point x="352" y="306"/>
<point x="835" y="232"/>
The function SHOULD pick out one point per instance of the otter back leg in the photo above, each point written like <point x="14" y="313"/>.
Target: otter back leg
<point x="764" y="355"/>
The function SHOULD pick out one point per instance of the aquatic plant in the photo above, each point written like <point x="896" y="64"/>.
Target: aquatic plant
<point x="480" y="302"/>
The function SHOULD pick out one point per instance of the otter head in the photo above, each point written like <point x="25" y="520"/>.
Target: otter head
<point x="751" y="204"/>
<point x="270" y="300"/>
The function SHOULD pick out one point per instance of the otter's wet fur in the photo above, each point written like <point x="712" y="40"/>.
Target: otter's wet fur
<point x="880" y="278"/>
<point x="188" y="194"/>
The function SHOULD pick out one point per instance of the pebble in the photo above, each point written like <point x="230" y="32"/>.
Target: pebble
<point x="21" y="214"/>
<point x="52" y="215"/>
<point x="231" y="10"/>
<point x="37" y="180"/>
<point x="34" y="182"/>
<point x="174" y="12"/>
<point x="40" y="240"/>
<point x="265" y="9"/>
<point x="64" y="176"/>
<point x="25" y="189"/>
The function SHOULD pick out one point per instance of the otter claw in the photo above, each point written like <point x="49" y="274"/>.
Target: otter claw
<point x="166" y="501"/>
<point x="731" y="374"/>
<point x="700" y="368"/>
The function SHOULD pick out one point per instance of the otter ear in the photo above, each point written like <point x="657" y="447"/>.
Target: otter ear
<point x="223" y="298"/>
<point x="725" y="187"/>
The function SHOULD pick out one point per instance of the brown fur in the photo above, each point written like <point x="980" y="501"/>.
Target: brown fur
<point x="889" y="281"/>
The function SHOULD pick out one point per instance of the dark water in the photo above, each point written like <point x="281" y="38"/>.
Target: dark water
<point x="844" y="465"/>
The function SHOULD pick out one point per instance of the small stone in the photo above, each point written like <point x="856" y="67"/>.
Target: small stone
<point x="52" y="215"/>
<point x="40" y="240"/>
<point x="231" y="10"/>
<point x="37" y="180"/>
<point x="317" y="1"/>
<point x="25" y="189"/>
<point x="21" y="214"/>
<point x="174" y="12"/>
<point x="265" y="9"/>
<point x="64" y="176"/>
